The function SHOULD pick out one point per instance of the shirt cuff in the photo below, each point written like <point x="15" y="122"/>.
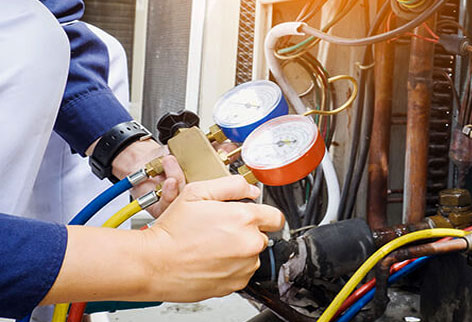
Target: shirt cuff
<point x="32" y="255"/>
<point x="85" y="118"/>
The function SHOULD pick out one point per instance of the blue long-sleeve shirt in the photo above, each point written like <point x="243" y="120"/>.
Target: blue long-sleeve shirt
<point x="31" y="255"/>
<point x="89" y="108"/>
<point x="31" y="252"/>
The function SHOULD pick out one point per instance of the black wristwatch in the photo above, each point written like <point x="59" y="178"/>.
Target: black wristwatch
<point x="112" y="143"/>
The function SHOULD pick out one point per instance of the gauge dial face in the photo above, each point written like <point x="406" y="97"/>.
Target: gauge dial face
<point x="279" y="142"/>
<point x="247" y="103"/>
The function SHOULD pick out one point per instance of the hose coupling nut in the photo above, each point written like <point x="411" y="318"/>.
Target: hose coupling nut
<point x="468" y="239"/>
<point x="138" y="177"/>
<point x="154" y="167"/>
<point x="148" y="199"/>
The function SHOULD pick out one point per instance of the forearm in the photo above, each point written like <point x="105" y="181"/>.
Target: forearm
<point x="101" y="264"/>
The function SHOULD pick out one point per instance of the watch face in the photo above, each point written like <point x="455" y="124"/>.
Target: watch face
<point x="247" y="103"/>
<point x="279" y="142"/>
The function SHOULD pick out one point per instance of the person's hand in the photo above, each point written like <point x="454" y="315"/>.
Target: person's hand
<point x="135" y="156"/>
<point x="205" y="247"/>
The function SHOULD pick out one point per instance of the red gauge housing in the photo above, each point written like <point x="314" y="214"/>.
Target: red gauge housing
<point x="294" y="170"/>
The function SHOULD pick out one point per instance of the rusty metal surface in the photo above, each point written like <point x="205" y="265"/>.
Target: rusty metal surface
<point x="419" y="109"/>
<point x="382" y="271"/>
<point x="380" y="144"/>
<point x="384" y="235"/>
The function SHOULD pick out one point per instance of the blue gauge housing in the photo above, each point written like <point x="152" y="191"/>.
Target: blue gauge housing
<point x="242" y="109"/>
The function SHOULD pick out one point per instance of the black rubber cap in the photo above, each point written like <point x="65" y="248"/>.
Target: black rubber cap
<point x="170" y="122"/>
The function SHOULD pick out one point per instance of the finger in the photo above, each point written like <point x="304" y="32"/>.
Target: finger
<point x="268" y="218"/>
<point x="172" y="170"/>
<point x="221" y="189"/>
<point x="227" y="146"/>
<point x="169" y="193"/>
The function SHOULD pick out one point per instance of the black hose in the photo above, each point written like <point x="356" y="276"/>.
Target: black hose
<point x="342" y="213"/>
<point x="309" y="213"/>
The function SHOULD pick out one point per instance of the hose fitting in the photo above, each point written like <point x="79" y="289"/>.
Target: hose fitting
<point x="148" y="199"/>
<point x="154" y="167"/>
<point x="138" y="177"/>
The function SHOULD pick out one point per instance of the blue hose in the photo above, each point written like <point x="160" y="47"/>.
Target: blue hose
<point x="351" y="312"/>
<point x="25" y="319"/>
<point x="99" y="202"/>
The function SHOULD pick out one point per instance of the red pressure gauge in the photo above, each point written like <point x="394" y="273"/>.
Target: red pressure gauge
<point x="284" y="150"/>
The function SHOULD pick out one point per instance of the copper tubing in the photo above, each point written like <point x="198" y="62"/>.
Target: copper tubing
<point x="382" y="271"/>
<point x="419" y="106"/>
<point x="387" y="234"/>
<point x="377" y="197"/>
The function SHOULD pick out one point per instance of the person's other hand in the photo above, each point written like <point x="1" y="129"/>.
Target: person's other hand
<point x="205" y="247"/>
<point x="135" y="156"/>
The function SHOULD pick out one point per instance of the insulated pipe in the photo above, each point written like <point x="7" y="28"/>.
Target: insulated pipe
<point x="270" y="43"/>
<point x="417" y="135"/>
<point x="333" y="190"/>
<point x="290" y="29"/>
<point x="377" y="197"/>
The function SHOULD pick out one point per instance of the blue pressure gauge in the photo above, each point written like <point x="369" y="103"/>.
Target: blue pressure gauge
<point x="242" y="109"/>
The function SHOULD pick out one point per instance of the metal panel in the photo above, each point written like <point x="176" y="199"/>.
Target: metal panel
<point x="115" y="17"/>
<point x="247" y="19"/>
<point x="166" y="58"/>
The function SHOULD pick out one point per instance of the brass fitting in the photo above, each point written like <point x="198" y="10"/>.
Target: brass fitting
<point x="216" y="134"/>
<point x="247" y="174"/>
<point x="440" y="222"/>
<point x="455" y="198"/>
<point x="158" y="190"/>
<point x="154" y="167"/>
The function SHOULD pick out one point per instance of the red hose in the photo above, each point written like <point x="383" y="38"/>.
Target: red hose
<point x="361" y="291"/>
<point x="76" y="312"/>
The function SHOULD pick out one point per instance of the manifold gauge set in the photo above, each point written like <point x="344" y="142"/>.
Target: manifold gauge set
<point x="278" y="148"/>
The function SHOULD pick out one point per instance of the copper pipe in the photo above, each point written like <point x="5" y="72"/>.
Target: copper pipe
<point x="380" y="144"/>
<point x="417" y="139"/>
<point x="386" y="234"/>
<point x="382" y="270"/>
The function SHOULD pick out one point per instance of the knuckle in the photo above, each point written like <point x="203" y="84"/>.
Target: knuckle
<point x="240" y="283"/>
<point x="191" y="189"/>
<point x="258" y="264"/>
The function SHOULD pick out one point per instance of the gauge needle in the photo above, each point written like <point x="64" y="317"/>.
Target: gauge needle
<point x="280" y="143"/>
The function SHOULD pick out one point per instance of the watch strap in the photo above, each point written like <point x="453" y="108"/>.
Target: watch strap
<point x="112" y="143"/>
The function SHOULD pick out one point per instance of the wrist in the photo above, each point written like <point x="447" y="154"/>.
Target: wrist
<point x="135" y="156"/>
<point x="154" y="262"/>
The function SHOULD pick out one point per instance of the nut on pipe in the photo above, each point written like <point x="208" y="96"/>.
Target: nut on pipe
<point x="154" y="167"/>
<point x="216" y="134"/>
<point x="247" y="174"/>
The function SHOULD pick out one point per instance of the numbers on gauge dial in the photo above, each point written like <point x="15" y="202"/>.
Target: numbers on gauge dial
<point x="246" y="105"/>
<point x="278" y="145"/>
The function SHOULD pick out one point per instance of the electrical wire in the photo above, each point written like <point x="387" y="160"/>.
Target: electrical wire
<point x="304" y="46"/>
<point x="379" y="255"/>
<point x="363" y="116"/>
<point x="303" y="28"/>
<point x="351" y="99"/>
<point x="100" y="201"/>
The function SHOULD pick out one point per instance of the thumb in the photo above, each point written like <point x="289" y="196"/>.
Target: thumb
<point x="221" y="189"/>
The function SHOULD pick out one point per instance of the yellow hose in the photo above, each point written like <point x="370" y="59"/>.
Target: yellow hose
<point x="376" y="257"/>
<point x="124" y="214"/>
<point x="60" y="310"/>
